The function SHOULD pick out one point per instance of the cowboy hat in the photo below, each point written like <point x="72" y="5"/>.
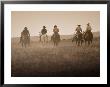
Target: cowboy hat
<point x="25" y="27"/>
<point x="88" y="23"/>
<point x="79" y="25"/>
<point x="55" y="25"/>
<point x="44" y="26"/>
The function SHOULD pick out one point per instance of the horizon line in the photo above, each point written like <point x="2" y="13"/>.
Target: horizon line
<point x="50" y="35"/>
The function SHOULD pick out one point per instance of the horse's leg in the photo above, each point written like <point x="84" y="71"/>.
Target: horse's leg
<point x="44" y="41"/>
<point x="22" y="44"/>
<point x="72" y="40"/>
<point x="78" y="42"/>
<point x="40" y="38"/>
<point x="47" y="39"/>
<point x="56" y="43"/>
<point x="73" y="43"/>
<point x="29" y="42"/>
<point x="85" y="42"/>
<point x="88" y="43"/>
<point x="91" y="41"/>
<point x="81" y="42"/>
<point x="25" y="44"/>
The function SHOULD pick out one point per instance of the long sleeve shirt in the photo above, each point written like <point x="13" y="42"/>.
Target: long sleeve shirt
<point x="55" y="30"/>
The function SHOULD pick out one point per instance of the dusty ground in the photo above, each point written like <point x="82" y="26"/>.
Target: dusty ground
<point x="67" y="60"/>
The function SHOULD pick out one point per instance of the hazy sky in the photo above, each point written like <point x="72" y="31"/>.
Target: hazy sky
<point x="66" y="21"/>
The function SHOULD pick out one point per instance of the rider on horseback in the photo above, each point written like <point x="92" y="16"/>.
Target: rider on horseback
<point x="25" y="34"/>
<point x="78" y="30"/>
<point x="56" y="30"/>
<point x="88" y="29"/>
<point x="21" y="37"/>
<point x="44" y="30"/>
<point x="88" y="36"/>
<point x="43" y="33"/>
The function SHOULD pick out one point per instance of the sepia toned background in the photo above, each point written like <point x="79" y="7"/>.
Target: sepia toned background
<point x="46" y="60"/>
<point x="66" y="21"/>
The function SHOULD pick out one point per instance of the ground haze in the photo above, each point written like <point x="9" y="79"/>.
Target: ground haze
<point x="66" y="60"/>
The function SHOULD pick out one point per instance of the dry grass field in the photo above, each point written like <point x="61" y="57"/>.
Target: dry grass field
<point x="66" y="60"/>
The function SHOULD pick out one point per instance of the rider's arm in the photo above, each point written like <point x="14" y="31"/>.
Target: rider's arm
<point x="28" y="34"/>
<point x="58" y="30"/>
<point x="81" y="29"/>
<point x="46" y="30"/>
<point x="86" y="28"/>
<point x="76" y="29"/>
<point x="90" y="28"/>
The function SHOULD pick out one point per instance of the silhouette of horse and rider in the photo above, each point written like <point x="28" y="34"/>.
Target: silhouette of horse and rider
<point x="80" y="36"/>
<point x="25" y="37"/>
<point x="55" y="37"/>
<point x="43" y="35"/>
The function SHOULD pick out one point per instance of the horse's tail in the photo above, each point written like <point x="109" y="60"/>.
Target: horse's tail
<point x="79" y="36"/>
<point x="88" y="36"/>
<point x="20" y="40"/>
<point x="92" y="35"/>
<point x="73" y="38"/>
<point x="59" y="38"/>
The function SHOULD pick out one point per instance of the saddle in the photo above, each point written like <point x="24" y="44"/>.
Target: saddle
<point x="56" y="35"/>
<point x="78" y="34"/>
<point x="44" y="31"/>
<point x="88" y="34"/>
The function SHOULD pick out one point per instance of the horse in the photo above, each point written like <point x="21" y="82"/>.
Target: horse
<point x="25" y="40"/>
<point x="78" y="38"/>
<point x="55" y="38"/>
<point x="88" y="37"/>
<point x="74" y="38"/>
<point x="44" y="39"/>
